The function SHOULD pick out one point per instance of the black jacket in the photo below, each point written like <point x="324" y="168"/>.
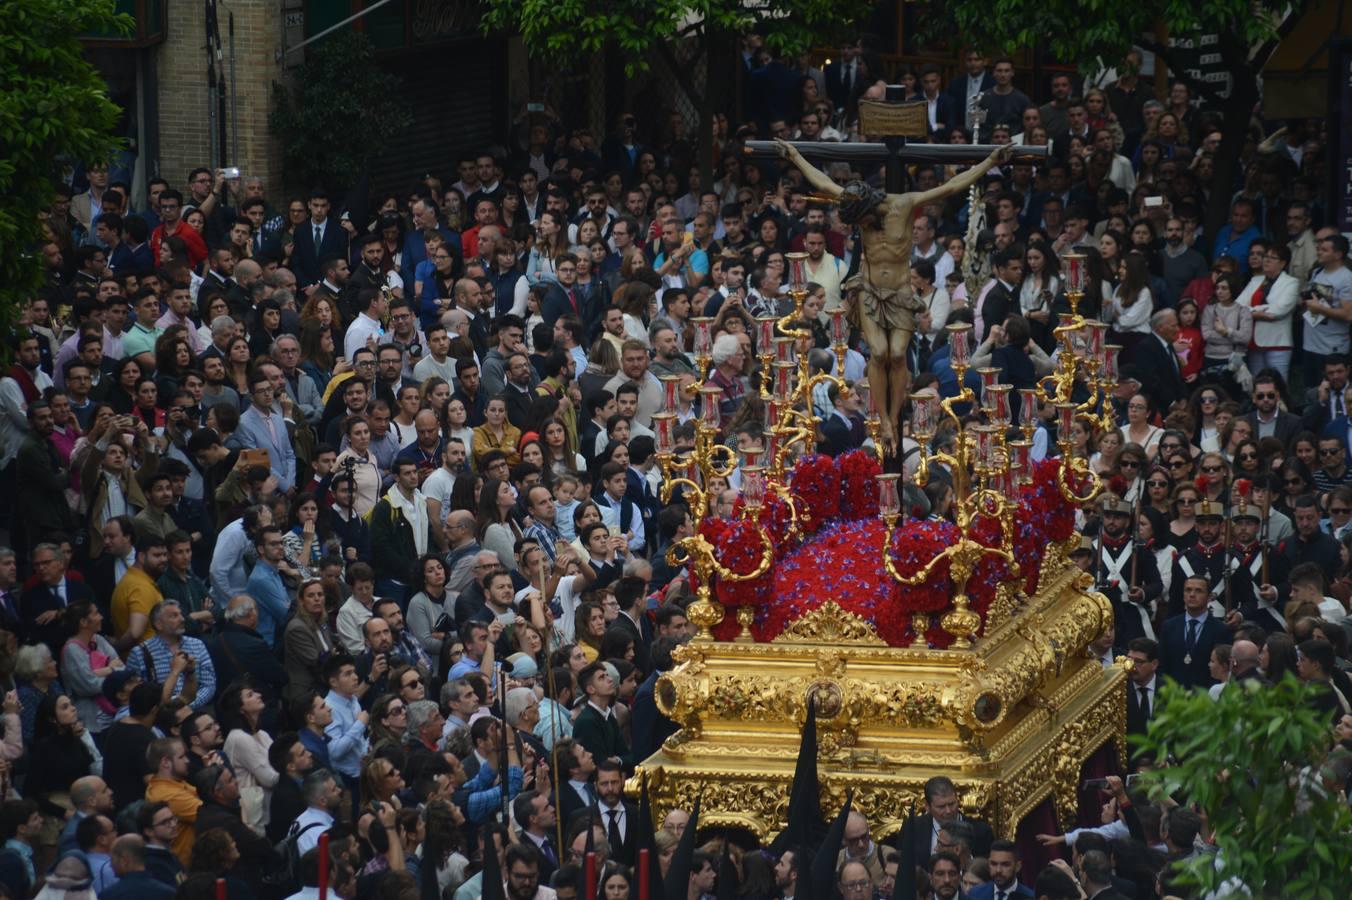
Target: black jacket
<point x="1157" y="368"/>
<point x="920" y="829"/>
<point x="237" y="650"/>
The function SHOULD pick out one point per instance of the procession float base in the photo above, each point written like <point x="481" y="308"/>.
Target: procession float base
<point x="1012" y="720"/>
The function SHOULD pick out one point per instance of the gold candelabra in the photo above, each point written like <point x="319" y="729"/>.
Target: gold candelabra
<point x="787" y="385"/>
<point x="987" y="466"/>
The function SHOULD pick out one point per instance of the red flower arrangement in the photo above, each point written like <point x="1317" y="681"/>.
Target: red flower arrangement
<point x="859" y="471"/>
<point x="837" y="502"/>
<point x="816" y="486"/>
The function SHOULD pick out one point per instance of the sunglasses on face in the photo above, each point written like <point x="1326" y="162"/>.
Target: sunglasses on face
<point x="1212" y="470"/>
<point x="1248" y="456"/>
<point x="1157" y="484"/>
<point x="1129" y="464"/>
<point x="1330" y="452"/>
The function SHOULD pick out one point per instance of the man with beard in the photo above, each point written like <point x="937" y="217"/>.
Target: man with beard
<point x="1126" y="576"/>
<point x="171" y="658"/>
<point x="437" y="487"/>
<point x="1210" y="560"/>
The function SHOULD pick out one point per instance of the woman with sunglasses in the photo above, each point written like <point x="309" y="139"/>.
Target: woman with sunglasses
<point x="1139" y="429"/>
<point x="1173" y="442"/>
<point x="1159" y="487"/>
<point x="1296" y="481"/>
<point x="389" y="721"/>
<point x="1183" y="525"/>
<point x="1216" y="471"/>
<point x="1247" y="460"/>
<point x="1130" y="465"/>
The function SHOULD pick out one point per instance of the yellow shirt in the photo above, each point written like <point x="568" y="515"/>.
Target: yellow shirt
<point x="135" y="593"/>
<point x="184" y="802"/>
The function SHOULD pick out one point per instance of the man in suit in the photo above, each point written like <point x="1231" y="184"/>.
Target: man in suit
<point x="41" y="608"/>
<point x="534" y="812"/>
<point x="577" y="770"/>
<point x="317" y="239"/>
<point x="941" y="809"/>
<point x="1142" y="686"/>
<point x="631" y="592"/>
<point x="844" y="81"/>
<point x="1156" y="362"/>
<point x="1266" y="418"/>
<point x="938" y="104"/>
<point x="619" y="817"/>
<point x="1002" y="300"/>
<point x="964" y="88"/>
<point x="1186" y="640"/>
<point x="262" y="426"/>
<point x="596" y="727"/>
<point x="647" y="724"/>
<point x="1004" y="883"/>
<point x="843" y="430"/>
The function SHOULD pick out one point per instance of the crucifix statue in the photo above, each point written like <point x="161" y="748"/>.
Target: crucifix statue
<point x="882" y="303"/>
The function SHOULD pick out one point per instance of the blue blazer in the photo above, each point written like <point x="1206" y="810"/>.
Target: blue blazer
<point x="987" y="892"/>
<point x="1189" y="668"/>
<point x="253" y="431"/>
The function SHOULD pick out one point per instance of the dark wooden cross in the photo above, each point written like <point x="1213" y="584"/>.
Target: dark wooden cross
<point x="897" y="124"/>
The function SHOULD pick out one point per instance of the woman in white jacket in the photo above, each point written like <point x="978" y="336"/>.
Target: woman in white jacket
<point x="1272" y="296"/>
<point x="246" y="747"/>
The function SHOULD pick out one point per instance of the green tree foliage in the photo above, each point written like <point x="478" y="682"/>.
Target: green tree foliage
<point x="343" y="111"/>
<point x="1251" y="762"/>
<point x="54" y="110"/>
<point x="566" y="31"/>
<point x="1096" y="34"/>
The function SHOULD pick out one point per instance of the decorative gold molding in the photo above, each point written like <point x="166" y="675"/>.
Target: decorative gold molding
<point x="830" y="624"/>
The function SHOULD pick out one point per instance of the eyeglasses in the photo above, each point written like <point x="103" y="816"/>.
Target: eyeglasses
<point x="856" y="885"/>
<point x="1340" y="510"/>
<point x="1265" y="396"/>
<point x="366" y="362"/>
<point x="1248" y="456"/>
<point x="1212" y="470"/>
<point x="411" y="684"/>
<point x="396" y="710"/>
<point x="1330" y="451"/>
<point x="1186" y="501"/>
<point x="1178" y="464"/>
<point x="1210" y="399"/>
<point x="1128" y="464"/>
<point x="1157" y="484"/>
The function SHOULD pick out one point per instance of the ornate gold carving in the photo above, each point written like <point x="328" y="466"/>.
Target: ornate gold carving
<point x="829" y="624"/>
<point x="1011" y="721"/>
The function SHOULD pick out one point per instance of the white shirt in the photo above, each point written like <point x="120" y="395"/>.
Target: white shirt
<point x="310" y="839"/>
<point x="361" y="328"/>
<point x="438" y="487"/>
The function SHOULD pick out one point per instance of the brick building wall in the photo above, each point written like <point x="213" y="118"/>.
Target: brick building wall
<point x="184" y="122"/>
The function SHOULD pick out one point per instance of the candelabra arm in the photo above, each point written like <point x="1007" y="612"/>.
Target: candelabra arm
<point x="1078" y="467"/>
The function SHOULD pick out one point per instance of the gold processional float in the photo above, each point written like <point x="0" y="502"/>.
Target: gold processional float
<point x="931" y="648"/>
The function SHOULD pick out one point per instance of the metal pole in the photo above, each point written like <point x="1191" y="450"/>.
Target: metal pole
<point x="234" y="98"/>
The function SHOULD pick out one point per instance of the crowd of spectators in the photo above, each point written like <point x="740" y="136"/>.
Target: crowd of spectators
<point x="332" y="522"/>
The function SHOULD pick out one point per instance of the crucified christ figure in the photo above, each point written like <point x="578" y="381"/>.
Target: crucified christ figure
<point x="883" y="305"/>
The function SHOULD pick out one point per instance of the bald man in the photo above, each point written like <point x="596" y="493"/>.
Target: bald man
<point x="90" y="796"/>
<point x="462" y="547"/>
<point x="1244" y="662"/>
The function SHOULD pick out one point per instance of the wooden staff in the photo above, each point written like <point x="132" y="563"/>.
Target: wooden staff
<point x="1263" y="540"/>
<point x="554" y="724"/>
<point x="1225" y="559"/>
<point x="1135" y="538"/>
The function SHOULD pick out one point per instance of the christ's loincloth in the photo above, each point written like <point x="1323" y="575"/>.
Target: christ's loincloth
<point x="893" y="309"/>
